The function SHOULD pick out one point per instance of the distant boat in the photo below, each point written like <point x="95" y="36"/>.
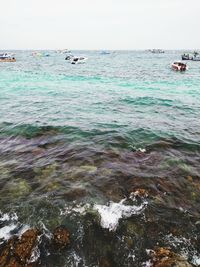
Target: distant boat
<point x="157" y="51"/>
<point x="36" y="54"/>
<point x="6" y="57"/>
<point x="187" y="57"/>
<point x="179" y="66"/>
<point x="105" y="53"/>
<point x="40" y="54"/>
<point x="63" y="51"/>
<point x="78" y="60"/>
<point x="196" y="56"/>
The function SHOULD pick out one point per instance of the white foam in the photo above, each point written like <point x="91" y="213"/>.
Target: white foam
<point x="143" y="150"/>
<point x="23" y="230"/>
<point x="76" y="260"/>
<point x="113" y="212"/>
<point x="47" y="233"/>
<point x="186" y="248"/>
<point x="11" y="224"/>
<point x="35" y="255"/>
<point x="81" y="209"/>
<point x="4" y="217"/>
<point x="5" y="231"/>
<point x="8" y="217"/>
<point x="147" y="264"/>
<point x="196" y="260"/>
<point x="131" y="255"/>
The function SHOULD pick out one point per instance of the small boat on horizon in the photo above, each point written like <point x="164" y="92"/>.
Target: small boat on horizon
<point x="105" y="53"/>
<point x="63" y="51"/>
<point x="179" y="66"/>
<point x="78" y="60"/>
<point x="6" y="57"/>
<point x="157" y="51"/>
<point x="40" y="54"/>
<point x="36" y="54"/>
<point x="196" y="56"/>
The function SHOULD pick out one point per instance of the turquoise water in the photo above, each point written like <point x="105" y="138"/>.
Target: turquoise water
<point x="90" y="134"/>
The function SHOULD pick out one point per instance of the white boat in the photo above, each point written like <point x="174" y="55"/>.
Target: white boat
<point x="105" y="53"/>
<point x="6" y="57"/>
<point x="63" y="51"/>
<point x="157" y="51"/>
<point x="179" y="66"/>
<point x="196" y="56"/>
<point x="187" y="56"/>
<point x="78" y="60"/>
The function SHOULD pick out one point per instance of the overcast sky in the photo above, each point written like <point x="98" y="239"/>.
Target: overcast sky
<point x="99" y="24"/>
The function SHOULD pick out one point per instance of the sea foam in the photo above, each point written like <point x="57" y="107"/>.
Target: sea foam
<point x="113" y="212"/>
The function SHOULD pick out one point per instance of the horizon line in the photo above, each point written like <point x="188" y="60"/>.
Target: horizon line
<point x="93" y="49"/>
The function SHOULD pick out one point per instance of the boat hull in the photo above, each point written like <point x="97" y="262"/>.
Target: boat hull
<point x="7" y="60"/>
<point x="187" y="58"/>
<point x="196" y="59"/>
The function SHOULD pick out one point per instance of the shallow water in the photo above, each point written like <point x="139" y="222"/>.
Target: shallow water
<point x="76" y="141"/>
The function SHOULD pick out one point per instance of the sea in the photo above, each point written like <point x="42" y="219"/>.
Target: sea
<point x="109" y="149"/>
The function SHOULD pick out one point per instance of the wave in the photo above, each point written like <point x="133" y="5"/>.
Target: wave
<point x="115" y="135"/>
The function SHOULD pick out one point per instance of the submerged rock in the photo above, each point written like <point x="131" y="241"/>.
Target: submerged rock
<point x="18" y="251"/>
<point x="164" y="257"/>
<point x="13" y="263"/>
<point x="46" y="173"/>
<point x="140" y="192"/>
<point x="25" y="245"/>
<point x="87" y="168"/>
<point x="104" y="262"/>
<point x="134" y="228"/>
<point x="18" y="188"/>
<point x="61" y="237"/>
<point x="75" y="193"/>
<point x="189" y="178"/>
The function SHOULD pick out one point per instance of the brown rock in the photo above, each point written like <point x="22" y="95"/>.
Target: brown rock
<point x="7" y="252"/>
<point x="61" y="237"/>
<point x="33" y="264"/>
<point x="104" y="262"/>
<point x="140" y="192"/>
<point x="164" y="257"/>
<point x="26" y="244"/>
<point x="190" y="179"/>
<point x="13" y="263"/>
<point x="4" y="256"/>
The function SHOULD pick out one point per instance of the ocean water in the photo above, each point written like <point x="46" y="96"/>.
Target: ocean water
<point x="77" y="142"/>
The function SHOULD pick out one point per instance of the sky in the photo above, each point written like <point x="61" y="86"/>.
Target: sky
<point x="99" y="24"/>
